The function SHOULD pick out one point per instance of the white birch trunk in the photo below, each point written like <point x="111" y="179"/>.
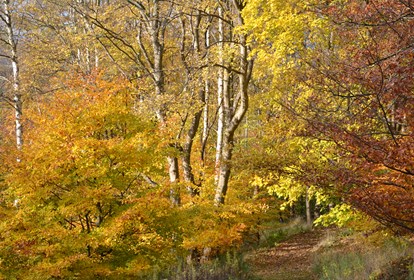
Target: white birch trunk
<point x="173" y="173"/>
<point x="220" y="91"/>
<point x="235" y="107"/>
<point x="96" y="58"/>
<point x="17" y="97"/>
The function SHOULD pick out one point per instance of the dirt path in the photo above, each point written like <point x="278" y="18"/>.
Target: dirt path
<point x="291" y="259"/>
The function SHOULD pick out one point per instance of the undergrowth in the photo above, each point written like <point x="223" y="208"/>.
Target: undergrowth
<point x="272" y="235"/>
<point x="229" y="266"/>
<point x="365" y="260"/>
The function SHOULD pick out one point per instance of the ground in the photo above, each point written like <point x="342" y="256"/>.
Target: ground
<point x="289" y="260"/>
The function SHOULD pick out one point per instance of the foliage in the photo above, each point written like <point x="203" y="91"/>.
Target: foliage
<point x="342" y="215"/>
<point x="342" y="73"/>
<point x="80" y="178"/>
<point x="107" y="101"/>
<point x="83" y="176"/>
<point x="375" y="128"/>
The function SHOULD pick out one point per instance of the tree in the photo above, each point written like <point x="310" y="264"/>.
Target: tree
<point x="82" y="174"/>
<point x="347" y="63"/>
<point x="289" y="39"/>
<point x="8" y="15"/>
<point x="105" y="215"/>
<point x="157" y="26"/>
<point x="376" y="129"/>
<point x="234" y="101"/>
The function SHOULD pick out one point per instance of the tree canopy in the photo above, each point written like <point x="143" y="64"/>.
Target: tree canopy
<point x="136" y="133"/>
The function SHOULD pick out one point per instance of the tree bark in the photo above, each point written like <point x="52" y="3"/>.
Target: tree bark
<point x="308" y="210"/>
<point x="17" y="97"/>
<point x="220" y="92"/>
<point x="235" y="107"/>
<point x="225" y="168"/>
<point x="155" y="27"/>
<point x="173" y="173"/>
<point x="206" y="109"/>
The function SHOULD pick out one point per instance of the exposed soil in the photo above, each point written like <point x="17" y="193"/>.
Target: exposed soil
<point x="289" y="260"/>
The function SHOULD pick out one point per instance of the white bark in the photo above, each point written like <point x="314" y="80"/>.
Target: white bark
<point x="17" y="97"/>
<point x="173" y="173"/>
<point x="235" y="107"/>
<point x="96" y="58"/>
<point x="220" y="91"/>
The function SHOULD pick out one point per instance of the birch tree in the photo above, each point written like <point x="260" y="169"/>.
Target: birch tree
<point x="9" y="40"/>
<point x="234" y="100"/>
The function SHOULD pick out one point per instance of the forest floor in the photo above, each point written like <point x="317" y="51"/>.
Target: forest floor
<point x="291" y="259"/>
<point x="351" y="257"/>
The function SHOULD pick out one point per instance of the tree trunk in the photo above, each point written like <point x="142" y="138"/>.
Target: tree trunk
<point x="220" y="93"/>
<point x="206" y="108"/>
<point x="225" y="169"/>
<point x="187" y="149"/>
<point x="188" y="174"/>
<point x="205" y="132"/>
<point x="308" y="210"/>
<point x="234" y="107"/>
<point x="173" y="173"/>
<point x="156" y="28"/>
<point x="17" y="97"/>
